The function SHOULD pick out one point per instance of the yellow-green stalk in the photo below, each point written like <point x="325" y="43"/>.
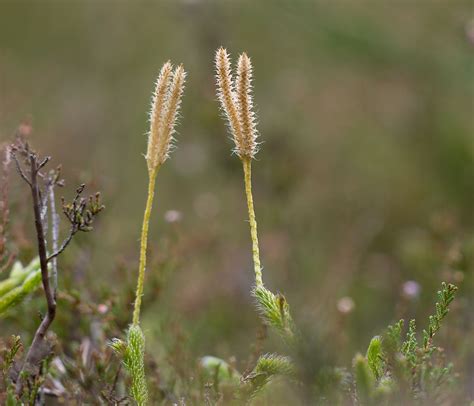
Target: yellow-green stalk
<point x="247" y="163"/>
<point x="164" y="111"/>
<point x="143" y="246"/>
<point x="236" y="102"/>
<point x="235" y="97"/>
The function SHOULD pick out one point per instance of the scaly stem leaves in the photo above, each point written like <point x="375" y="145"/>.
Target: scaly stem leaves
<point x="275" y="311"/>
<point x="445" y="297"/>
<point x="132" y="353"/>
<point x="268" y="366"/>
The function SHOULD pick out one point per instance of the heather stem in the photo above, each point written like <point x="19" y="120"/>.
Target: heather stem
<point x="143" y="246"/>
<point x="247" y="163"/>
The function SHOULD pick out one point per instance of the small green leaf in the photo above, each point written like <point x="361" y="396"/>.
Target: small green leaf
<point x="365" y="381"/>
<point x="218" y="370"/>
<point x="374" y="357"/>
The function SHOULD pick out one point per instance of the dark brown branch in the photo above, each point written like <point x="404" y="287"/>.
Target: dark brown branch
<point x="50" y="300"/>
<point x="81" y="213"/>
<point x="63" y="245"/>
<point x="20" y="169"/>
<point x="43" y="163"/>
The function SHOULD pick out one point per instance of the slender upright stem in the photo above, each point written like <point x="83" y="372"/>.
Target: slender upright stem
<point x="54" y="238"/>
<point x="247" y="163"/>
<point x="143" y="245"/>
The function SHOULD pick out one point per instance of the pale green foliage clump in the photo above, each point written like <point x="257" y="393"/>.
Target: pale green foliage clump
<point x="275" y="311"/>
<point x="374" y="356"/>
<point x="271" y="364"/>
<point x="7" y="364"/>
<point x="372" y="382"/>
<point x="396" y="367"/>
<point x="218" y="370"/>
<point x="364" y="378"/>
<point x="134" y="362"/>
<point x="445" y="297"/>
<point x="410" y="345"/>
<point x="10" y="354"/>
<point x="21" y="282"/>
<point x="133" y="353"/>
<point x="268" y="366"/>
<point x="17" y="275"/>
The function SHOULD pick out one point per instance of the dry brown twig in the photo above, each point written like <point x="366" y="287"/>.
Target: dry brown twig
<point x="80" y="213"/>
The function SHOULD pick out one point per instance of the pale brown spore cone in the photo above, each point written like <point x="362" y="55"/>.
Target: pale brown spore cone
<point x="164" y="111"/>
<point x="235" y="97"/>
<point x="245" y="105"/>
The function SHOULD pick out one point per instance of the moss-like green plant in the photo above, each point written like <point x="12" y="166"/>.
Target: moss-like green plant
<point x="275" y="311"/>
<point x="17" y="275"/>
<point x="218" y="371"/>
<point x="133" y="354"/>
<point x="10" y="354"/>
<point x="410" y="345"/>
<point x="268" y="366"/>
<point x="374" y="356"/>
<point x="445" y="297"/>
<point x="390" y="365"/>
<point x="163" y="115"/>
<point x="235" y="97"/>
<point x="21" y="282"/>
<point x="365" y="381"/>
<point x="405" y="370"/>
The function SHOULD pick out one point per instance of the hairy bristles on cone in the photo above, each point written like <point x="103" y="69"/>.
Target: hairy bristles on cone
<point x="156" y="114"/>
<point x="164" y="111"/>
<point x="239" y="115"/>
<point x="245" y="104"/>
<point x="173" y="103"/>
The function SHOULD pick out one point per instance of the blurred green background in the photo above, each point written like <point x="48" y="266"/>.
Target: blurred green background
<point x="365" y="178"/>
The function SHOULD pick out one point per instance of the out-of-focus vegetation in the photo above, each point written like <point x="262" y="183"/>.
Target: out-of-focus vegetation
<point x="364" y="189"/>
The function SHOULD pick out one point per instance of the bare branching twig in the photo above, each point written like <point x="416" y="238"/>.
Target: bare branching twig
<point x="34" y="166"/>
<point x="80" y="213"/>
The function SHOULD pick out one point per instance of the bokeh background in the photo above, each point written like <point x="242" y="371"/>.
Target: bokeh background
<point x="364" y="185"/>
